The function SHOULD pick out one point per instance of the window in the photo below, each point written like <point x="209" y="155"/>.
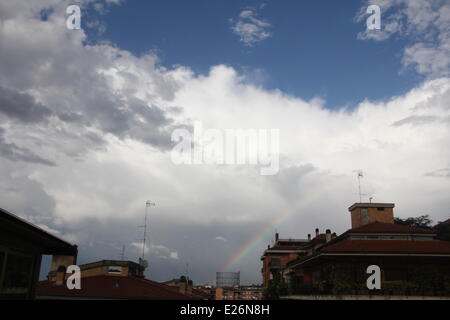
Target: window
<point x="18" y="271"/>
<point x="114" y="269"/>
<point x="380" y="209"/>
<point x="423" y="238"/>
<point x="275" y="262"/>
<point x="394" y="237"/>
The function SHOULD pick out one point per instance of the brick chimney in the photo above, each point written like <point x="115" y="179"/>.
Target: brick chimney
<point x="328" y="235"/>
<point x="189" y="287"/>
<point x="317" y="232"/>
<point x="365" y="213"/>
<point x="183" y="284"/>
<point x="309" y="237"/>
<point x="60" y="263"/>
<point x="60" y="276"/>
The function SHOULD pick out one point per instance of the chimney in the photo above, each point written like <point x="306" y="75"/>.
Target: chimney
<point x="317" y="232"/>
<point x="309" y="237"/>
<point x="334" y="235"/>
<point x="189" y="287"/>
<point x="276" y="236"/>
<point x="58" y="263"/>
<point x="182" y="284"/>
<point x="60" y="275"/>
<point x="365" y="213"/>
<point x="328" y="235"/>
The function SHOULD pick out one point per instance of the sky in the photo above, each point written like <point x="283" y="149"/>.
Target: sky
<point x="87" y="118"/>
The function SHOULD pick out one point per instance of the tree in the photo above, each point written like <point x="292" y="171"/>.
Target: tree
<point x="423" y="221"/>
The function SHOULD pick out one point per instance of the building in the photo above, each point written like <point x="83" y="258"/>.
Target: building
<point x="250" y="292"/>
<point x="412" y="260"/>
<point x="106" y="287"/>
<point x="227" y="293"/>
<point x="182" y="284"/>
<point x="206" y="290"/>
<point x="21" y="248"/>
<point x="239" y="293"/>
<point x="108" y="279"/>
<point x="104" y="267"/>
<point x="186" y="286"/>
<point x="275" y="257"/>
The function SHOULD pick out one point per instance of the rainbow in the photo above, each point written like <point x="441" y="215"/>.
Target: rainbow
<point x="311" y="194"/>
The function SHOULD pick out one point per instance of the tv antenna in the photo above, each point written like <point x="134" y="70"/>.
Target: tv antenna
<point x="122" y="254"/>
<point x="360" y="175"/>
<point x="144" y="240"/>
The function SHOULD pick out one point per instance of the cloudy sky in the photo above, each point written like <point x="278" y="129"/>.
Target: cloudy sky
<point x="86" y="118"/>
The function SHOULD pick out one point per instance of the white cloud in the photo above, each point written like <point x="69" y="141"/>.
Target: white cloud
<point x="250" y="28"/>
<point x="157" y="250"/>
<point x="426" y="26"/>
<point x="220" y="238"/>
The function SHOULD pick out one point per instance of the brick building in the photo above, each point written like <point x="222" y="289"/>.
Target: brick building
<point x="239" y="293"/>
<point x="108" y="279"/>
<point x="275" y="257"/>
<point x="412" y="260"/>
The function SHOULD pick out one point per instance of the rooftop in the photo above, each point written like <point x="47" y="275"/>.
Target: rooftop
<point x="115" y="263"/>
<point x="371" y="205"/>
<point x="380" y="227"/>
<point x="51" y="244"/>
<point x="389" y="246"/>
<point x="112" y="287"/>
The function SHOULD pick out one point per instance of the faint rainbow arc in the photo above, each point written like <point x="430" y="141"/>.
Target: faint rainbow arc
<point x="280" y="218"/>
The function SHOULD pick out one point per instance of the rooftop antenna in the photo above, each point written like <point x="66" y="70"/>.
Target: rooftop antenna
<point x="360" y="175"/>
<point x="144" y="241"/>
<point x="122" y="254"/>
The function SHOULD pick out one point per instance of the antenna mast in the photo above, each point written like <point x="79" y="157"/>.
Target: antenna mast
<point x="144" y="241"/>
<point x="122" y="254"/>
<point x="360" y="175"/>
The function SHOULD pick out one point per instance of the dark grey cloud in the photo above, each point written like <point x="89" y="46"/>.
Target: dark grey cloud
<point x="441" y="173"/>
<point x="422" y="120"/>
<point x="22" y="107"/>
<point x="13" y="152"/>
<point x="23" y="195"/>
<point x="416" y="120"/>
